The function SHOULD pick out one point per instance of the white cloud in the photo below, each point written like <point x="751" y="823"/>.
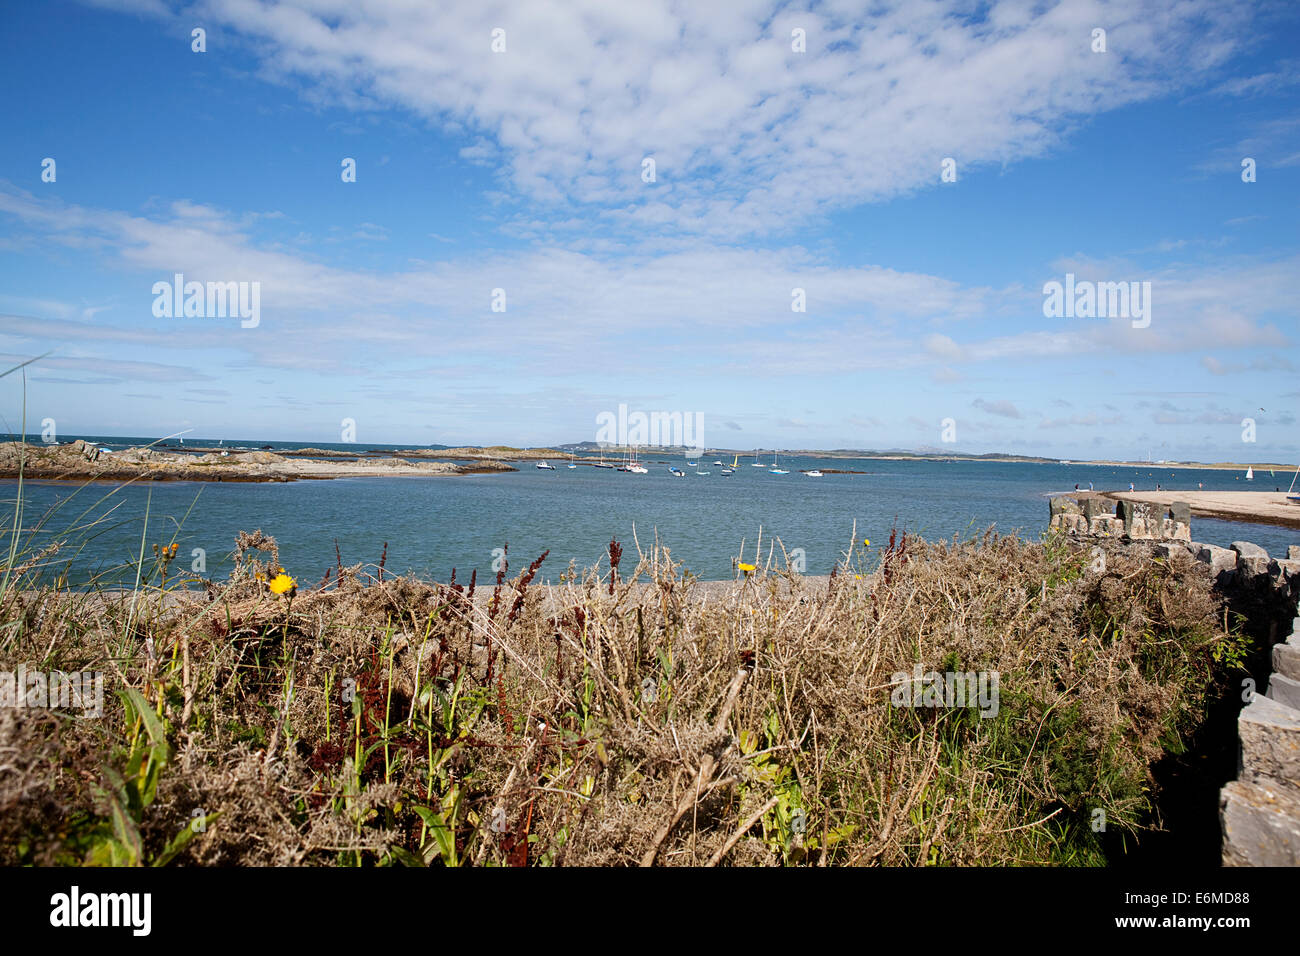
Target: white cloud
<point x="749" y="137"/>
<point x="1001" y="408"/>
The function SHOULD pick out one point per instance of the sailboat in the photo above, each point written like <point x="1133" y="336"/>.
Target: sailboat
<point x="635" y="467"/>
<point x="572" y="465"/>
<point x="732" y="470"/>
<point x="1250" y="474"/>
<point x="756" y="463"/>
<point x="774" y="470"/>
<point x="602" y="463"/>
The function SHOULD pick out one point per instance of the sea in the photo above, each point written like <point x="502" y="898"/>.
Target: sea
<point x="429" y="526"/>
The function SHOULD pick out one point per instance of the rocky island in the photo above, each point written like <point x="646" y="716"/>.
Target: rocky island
<point x="83" y="461"/>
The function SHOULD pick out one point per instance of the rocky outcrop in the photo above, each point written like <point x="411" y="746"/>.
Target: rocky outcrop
<point x="80" y="461"/>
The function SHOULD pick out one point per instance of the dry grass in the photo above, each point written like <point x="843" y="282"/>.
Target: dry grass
<point x="612" y="719"/>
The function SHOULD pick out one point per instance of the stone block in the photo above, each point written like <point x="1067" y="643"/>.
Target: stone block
<point x="1260" y="824"/>
<point x="1062" y="505"/>
<point x="1222" y="561"/>
<point x="1285" y="690"/>
<point x="1293" y="552"/>
<point x="1286" y="661"/>
<point x="1125" y="512"/>
<point x="1181" y="511"/>
<point x="1092" y="507"/>
<point x="1252" y="560"/>
<point x="1290" y="570"/>
<point x="1270" y="742"/>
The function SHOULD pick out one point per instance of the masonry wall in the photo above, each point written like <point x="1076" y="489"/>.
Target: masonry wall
<point x="1259" y="811"/>
<point x="1135" y="520"/>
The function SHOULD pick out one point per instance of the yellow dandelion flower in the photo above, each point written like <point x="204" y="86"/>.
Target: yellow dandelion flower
<point x="282" y="583"/>
<point x="866" y="542"/>
<point x="747" y="568"/>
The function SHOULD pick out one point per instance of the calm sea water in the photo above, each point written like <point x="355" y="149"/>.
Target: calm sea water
<point x="434" y="524"/>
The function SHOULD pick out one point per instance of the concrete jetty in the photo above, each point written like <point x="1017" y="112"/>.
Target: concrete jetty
<point x="1260" y="507"/>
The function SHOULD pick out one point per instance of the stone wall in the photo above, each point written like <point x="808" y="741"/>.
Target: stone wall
<point x="1135" y="520"/>
<point x="1259" y="812"/>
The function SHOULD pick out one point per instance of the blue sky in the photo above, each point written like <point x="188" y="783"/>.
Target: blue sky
<point x="522" y="170"/>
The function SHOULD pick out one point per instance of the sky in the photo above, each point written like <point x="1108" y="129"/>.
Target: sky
<point x="507" y="263"/>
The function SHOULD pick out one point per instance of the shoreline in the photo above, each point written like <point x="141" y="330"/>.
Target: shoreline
<point x="83" y="461"/>
<point x="80" y="461"/>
